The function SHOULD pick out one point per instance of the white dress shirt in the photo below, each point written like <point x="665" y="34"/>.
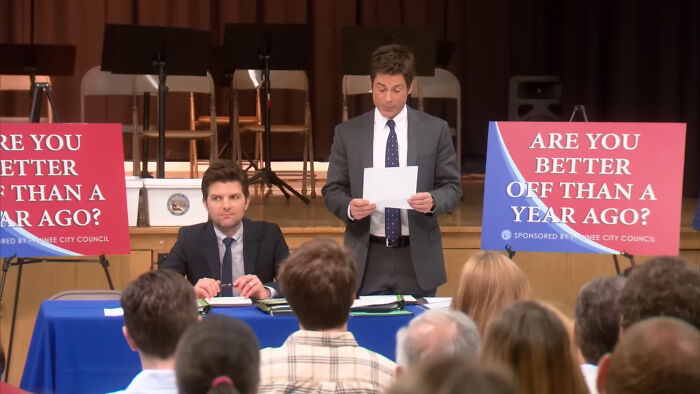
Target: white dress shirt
<point x="236" y="256"/>
<point x="381" y="134"/>
<point x="152" y="381"/>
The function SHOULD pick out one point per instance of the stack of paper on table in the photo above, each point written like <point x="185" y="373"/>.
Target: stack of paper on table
<point x="275" y="306"/>
<point x="229" y="301"/>
<point x="380" y="305"/>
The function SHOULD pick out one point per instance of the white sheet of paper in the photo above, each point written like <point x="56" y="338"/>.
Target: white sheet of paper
<point x="437" y="302"/>
<point x="374" y="300"/>
<point x="113" y="312"/>
<point x="229" y="301"/>
<point x="390" y="187"/>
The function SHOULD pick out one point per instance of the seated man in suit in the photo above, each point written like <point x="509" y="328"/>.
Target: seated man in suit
<point x="229" y="254"/>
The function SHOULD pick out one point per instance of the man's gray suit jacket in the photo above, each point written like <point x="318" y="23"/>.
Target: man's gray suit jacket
<point x="430" y="148"/>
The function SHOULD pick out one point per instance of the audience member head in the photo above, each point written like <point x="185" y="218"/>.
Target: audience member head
<point x="455" y="375"/>
<point x="531" y="339"/>
<point x="658" y="355"/>
<point x="598" y="317"/>
<point x="224" y="171"/>
<point x="662" y="286"/>
<point x="436" y="333"/>
<point x="393" y="59"/>
<point x="489" y="282"/>
<point x="158" y="307"/>
<point x="218" y="355"/>
<point x="319" y="282"/>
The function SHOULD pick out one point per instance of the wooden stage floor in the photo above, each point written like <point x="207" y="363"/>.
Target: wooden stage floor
<point x="271" y="205"/>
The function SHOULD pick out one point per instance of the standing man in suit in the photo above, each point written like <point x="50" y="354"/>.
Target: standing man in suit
<point x="398" y="251"/>
<point x="228" y="254"/>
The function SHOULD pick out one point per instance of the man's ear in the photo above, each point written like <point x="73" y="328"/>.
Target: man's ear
<point x="603" y="365"/>
<point x="130" y="341"/>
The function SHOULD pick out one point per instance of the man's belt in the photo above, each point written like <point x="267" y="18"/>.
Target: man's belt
<point x="399" y="243"/>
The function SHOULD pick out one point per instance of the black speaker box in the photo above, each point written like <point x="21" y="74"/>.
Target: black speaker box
<point x="534" y="98"/>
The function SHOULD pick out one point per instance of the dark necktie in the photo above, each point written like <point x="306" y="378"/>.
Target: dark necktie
<point x="392" y="216"/>
<point x="227" y="269"/>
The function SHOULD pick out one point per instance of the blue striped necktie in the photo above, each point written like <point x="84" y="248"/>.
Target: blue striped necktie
<point x="392" y="216"/>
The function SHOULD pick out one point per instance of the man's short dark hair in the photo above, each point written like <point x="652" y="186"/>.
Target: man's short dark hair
<point x="218" y="346"/>
<point x="662" y="286"/>
<point x="393" y="59"/>
<point x="224" y="171"/>
<point x="598" y="316"/>
<point x="158" y="307"/>
<point x="655" y="355"/>
<point x="318" y="280"/>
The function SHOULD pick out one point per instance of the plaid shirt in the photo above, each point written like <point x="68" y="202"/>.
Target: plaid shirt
<point x="323" y="362"/>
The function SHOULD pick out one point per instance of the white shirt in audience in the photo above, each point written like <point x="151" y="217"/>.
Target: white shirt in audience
<point x="590" y="374"/>
<point x="160" y="381"/>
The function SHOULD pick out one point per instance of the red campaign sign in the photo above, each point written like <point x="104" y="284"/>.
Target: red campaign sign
<point x="584" y="187"/>
<point x="62" y="190"/>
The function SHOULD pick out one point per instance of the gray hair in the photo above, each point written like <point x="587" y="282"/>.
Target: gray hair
<point x="437" y="333"/>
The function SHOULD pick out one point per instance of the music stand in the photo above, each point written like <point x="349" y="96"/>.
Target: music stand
<point x="358" y="43"/>
<point x="266" y="47"/>
<point x="38" y="59"/>
<point x="132" y="49"/>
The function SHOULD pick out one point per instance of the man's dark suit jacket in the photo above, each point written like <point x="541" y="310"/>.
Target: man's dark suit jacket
<point x="196" y="253"/>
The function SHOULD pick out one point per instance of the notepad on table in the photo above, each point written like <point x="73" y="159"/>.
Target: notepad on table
<point x="217" y="302"/>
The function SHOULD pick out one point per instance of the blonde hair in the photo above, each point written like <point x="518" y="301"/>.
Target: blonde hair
<point x="489" y="282"/>
<point x="531" y="339"/>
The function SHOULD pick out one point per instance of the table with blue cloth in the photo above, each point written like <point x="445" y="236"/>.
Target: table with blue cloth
<point x="75" y="348"/>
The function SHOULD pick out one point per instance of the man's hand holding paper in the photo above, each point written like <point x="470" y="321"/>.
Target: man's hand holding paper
<point x="392" y="187"/>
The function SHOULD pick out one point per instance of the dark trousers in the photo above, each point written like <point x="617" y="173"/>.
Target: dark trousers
<point x="390" y="271"/>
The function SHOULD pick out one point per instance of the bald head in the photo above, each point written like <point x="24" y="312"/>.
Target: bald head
<point x="655" y="356"/>
<point x="436" y="333"/>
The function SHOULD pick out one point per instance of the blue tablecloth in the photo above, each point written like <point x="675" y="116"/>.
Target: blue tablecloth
<point x="76" y="349"/>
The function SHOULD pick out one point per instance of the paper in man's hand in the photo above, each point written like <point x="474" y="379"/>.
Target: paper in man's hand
<point x="390" y="187"/>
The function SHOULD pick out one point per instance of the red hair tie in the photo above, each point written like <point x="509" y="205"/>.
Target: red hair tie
<point x="222" y="379"/>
